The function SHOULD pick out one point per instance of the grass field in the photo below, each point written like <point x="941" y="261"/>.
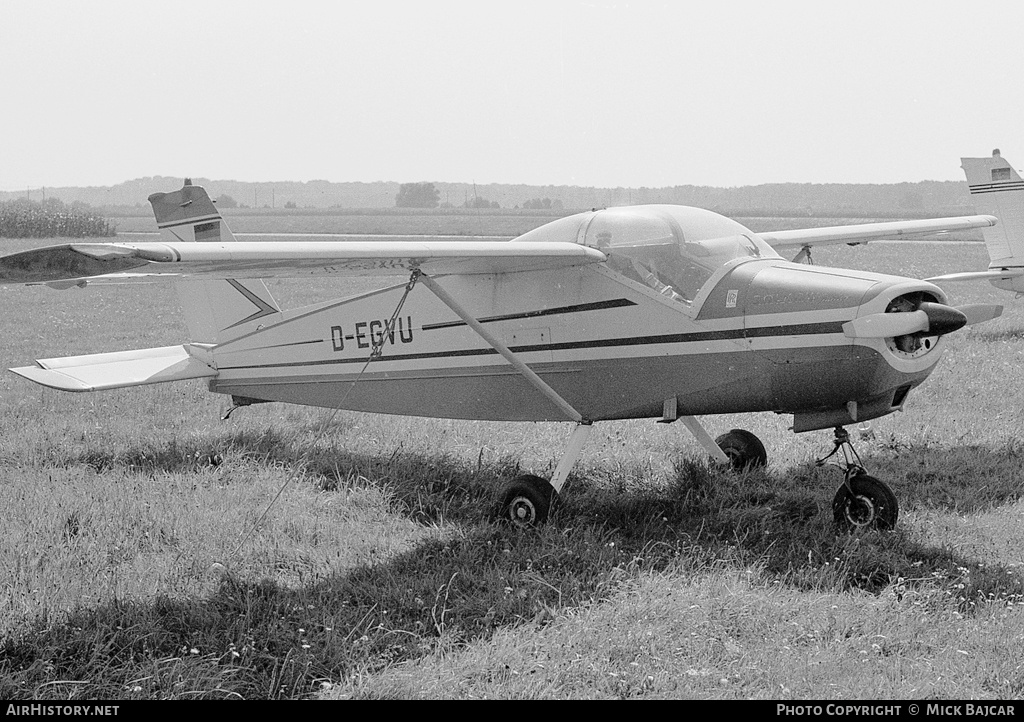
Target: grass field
<point x="155" y="551"/>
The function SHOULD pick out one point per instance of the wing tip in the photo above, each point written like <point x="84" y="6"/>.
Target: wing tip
<point x="51" y="379"/>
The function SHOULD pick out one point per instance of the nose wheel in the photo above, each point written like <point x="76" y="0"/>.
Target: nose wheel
<point x="862" y="502"/>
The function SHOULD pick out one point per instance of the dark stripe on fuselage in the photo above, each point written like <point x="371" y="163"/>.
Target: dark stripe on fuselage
<point x="597" y="306"/>
<point x="803" y="329"/>
<point x="294" y="343"/>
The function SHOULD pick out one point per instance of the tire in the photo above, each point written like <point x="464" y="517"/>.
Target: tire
<point x="745" y="451"/>
<point x="872" y="505"/>
<point x="527" y="501"/>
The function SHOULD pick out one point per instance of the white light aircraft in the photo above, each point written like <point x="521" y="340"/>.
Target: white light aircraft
<point x="657" y="311"/>
<point x="998" y="190"/>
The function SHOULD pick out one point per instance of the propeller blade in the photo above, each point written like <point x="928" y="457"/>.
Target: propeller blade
<point x="886" y="325"/>
<point x="980" y="312"/>
<point x="933" y="318"/>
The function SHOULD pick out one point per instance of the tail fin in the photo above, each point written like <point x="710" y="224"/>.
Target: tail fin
<point x="997" y="190"/>
<point x="215" y="311"/>
<point x="189" y="215"/>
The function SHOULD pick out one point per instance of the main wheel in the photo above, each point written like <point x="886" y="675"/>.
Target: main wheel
<point x="527" y="501"/>
<point x="871" y="505"/>
<point x="745" y="451"/>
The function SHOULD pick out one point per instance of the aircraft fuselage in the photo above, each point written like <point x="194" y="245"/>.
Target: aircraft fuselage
<point x="763" y="335"/>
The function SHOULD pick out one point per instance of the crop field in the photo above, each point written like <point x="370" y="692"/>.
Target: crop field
<point x="152" y="550"/>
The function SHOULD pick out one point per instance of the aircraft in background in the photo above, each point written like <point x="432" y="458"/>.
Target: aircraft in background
<point x="658" y="311"/>
<point x="998" y="190"/>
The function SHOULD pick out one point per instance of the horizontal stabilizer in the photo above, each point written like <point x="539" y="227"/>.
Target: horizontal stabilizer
<point x="120" y="369"/>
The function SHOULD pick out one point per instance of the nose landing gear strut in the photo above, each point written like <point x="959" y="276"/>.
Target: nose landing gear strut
<point x="862" y="502"/>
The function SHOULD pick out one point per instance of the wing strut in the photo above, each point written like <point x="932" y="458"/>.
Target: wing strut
<point x="805" y="252"/>
<point x="536" y="381"/>
<point x="583" y="426"/>
<point x="703" y="438"/>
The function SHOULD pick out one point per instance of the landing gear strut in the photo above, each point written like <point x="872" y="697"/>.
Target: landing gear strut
<point x="862" y="502"/>
<point x="528" y="500"/>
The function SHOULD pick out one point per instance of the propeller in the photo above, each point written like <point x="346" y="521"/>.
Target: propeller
<point x="935" y="319"/>
<point x="980" y="312"/>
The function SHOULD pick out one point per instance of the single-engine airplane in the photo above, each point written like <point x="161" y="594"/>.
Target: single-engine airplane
<point x="996" y="189"/>
<point x="655" y="311"/>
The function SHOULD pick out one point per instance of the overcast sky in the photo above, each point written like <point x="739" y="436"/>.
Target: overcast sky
<point x="570" y="92"/>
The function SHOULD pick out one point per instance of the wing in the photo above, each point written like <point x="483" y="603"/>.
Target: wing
<point x="1004" y="274"/>
<point x="77" y="263"/>
<point x="805" y="238"/>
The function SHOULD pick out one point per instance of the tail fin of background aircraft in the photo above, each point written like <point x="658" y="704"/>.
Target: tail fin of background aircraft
<point x="215" y="310"/>
<point x="997" y="189"/>
<point x="189" y="215"/>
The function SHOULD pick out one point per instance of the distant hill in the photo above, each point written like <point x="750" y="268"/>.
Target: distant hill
<point x="922" y="198"/>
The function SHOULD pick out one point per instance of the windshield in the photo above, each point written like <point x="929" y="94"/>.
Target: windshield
<point x="672" y="249"/>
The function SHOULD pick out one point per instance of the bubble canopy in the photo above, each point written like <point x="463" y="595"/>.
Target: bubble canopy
<point x="672" y="249"/>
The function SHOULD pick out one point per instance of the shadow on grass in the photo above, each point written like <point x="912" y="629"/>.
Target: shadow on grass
<point x="259" y="639"/>
<point x="781" y="519"/>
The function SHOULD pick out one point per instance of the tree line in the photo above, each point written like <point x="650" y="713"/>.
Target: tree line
<point x="922" y="199"/>
<point x="426" y="195"/>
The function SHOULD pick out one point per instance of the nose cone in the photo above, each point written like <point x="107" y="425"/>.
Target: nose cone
<point x="942" y="319"/>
